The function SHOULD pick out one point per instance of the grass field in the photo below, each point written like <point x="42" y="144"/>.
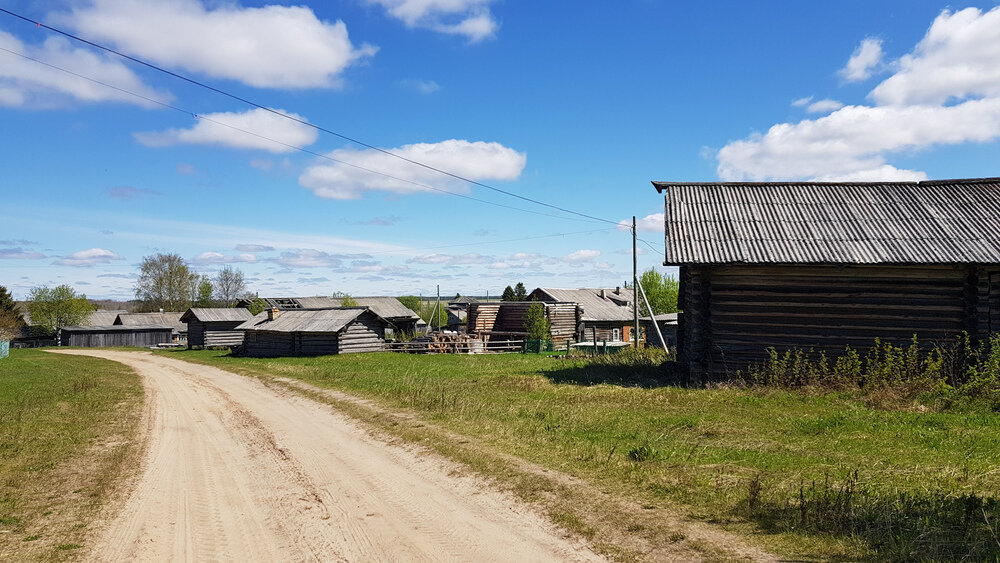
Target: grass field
<point x="66" y="430"/>
<point x="806" y="474"/>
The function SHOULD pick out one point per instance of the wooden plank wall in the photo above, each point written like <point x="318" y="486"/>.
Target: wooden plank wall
<point x="196" y="333"/>
<point x="732" y="315"/>
<point x="95" y="339"/>
<point x="509" y="317"/>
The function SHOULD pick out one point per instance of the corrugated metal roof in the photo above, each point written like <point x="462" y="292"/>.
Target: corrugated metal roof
<point x="322" y="320"/>
<point x="611" y="307"/>
<point x="931" y="222"/>
<point x="216" y="314"/>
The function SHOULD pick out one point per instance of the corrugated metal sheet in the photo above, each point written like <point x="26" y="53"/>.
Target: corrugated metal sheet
<point x="216" y="314"/>
<point x="932" y="222"/>
<point x="323" y="320"/>
<point x="611" y="307"/>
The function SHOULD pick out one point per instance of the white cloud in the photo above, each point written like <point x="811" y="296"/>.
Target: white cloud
<point x="866" y="58"/>
<point x="474" y="160"/>
<point x="19" y="254"/>
<point x="90" y="257"/>
<point x="469" y="18"/>
<point x="310" y="258"/>
<point x="25" y="83"/>
<point x="824" y="106"/>
<point x="802" y="102"/>
<point x="946" y="92"/>
<point x="217" y="258"/>
<point x="452" y="259"/>
<point x="958" y="58"/>
<point x="254" y="248"/>
<point x="585" y="255"/>
<point x="648" y="224"/>
<point x="229" y="129"/>
<point x="421" y="86"/>
<point x="266" y="47"/>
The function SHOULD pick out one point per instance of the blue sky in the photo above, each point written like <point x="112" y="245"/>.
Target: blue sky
<point x="579" y="107"/>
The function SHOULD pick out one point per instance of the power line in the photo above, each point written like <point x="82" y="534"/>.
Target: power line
<point x="136" y="60"/>
<point x="478" y="243"/>
<point x="275" y="141"/>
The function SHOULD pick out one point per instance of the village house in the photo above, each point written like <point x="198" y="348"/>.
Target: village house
<point x="313" y="332"/>
<point x="822" y="266"/>
<point x="215" y="326"/>
<point x="603" y="313"/>
<point x="401" y="318"/>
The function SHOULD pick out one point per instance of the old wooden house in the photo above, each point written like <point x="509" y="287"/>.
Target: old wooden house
<point x="825" y="265"/>
<point x="114" y="335"/>
<point x="215" y="326"/>
<point x="399" y="316"/>
<point x="313" y="332"/>
<point x="606" y="313"/>
<point x="505" y="320"/>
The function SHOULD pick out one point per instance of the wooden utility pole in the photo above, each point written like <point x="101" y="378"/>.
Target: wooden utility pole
<point x="635" y="282"/>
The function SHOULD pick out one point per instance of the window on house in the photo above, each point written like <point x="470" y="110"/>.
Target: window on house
<point x="616" y="334"/>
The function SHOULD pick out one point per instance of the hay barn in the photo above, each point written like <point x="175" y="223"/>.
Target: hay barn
<point x="827" y="265"/>
<point x="313" y="332"/>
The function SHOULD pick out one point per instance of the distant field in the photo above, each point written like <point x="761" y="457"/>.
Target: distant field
<point x="808" y="475"/>
<point x="67" y="426"/>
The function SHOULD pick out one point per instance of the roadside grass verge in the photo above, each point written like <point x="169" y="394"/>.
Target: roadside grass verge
<point x="67" y="426"/>
<point x="811" y="474"/>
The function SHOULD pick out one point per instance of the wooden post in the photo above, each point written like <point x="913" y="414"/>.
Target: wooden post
<point x="635" y="282"/>
<point x="593" y="331"/>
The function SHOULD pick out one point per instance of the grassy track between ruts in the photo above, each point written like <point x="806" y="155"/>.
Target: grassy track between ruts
<point x="806" y="474"/>
<point x="67" y="434"/>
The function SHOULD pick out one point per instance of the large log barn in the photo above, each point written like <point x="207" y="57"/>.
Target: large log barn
<point x="827" y="265"/>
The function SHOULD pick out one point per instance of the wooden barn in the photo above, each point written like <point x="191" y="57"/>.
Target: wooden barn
<point x="170" y="318"/>
<point x="389" y="308"/>
<point x="507" y="319"/>
<point x="215" y="326"/>
<point x="606" y="313"/>
<point x="826" y="265"/>
<point x="114" y="335"/>
<point x="313" y="332"/>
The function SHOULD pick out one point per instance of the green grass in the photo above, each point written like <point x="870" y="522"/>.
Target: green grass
<point x="809" y="474"/>
<point x="66" y="430"/>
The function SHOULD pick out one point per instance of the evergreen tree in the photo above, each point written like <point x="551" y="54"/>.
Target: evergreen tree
<point x="520" y="293"/>
<point x="537" y="326"/>
<point x="508" y="294"/>
<point x="11" y="320"/>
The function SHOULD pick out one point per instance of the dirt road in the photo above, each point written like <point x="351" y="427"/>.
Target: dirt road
<point x="237" y="471"/>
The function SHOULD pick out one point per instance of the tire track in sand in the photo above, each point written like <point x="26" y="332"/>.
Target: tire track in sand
<point x="234" y="470"/>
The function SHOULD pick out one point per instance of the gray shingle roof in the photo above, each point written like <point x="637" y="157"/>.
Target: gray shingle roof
<point x="296" y="320"/>
<point x="386" y="307"/>
<point x="611" y="307"/>
<point x="170" y="318"/>
<point x="216" y="314"/>
<point x="931" y="222"/>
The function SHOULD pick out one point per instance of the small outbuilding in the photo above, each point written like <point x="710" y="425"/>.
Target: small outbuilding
<point x="215" y="326"/>
<point x="606" y="313"/>
<point x="169" y="318"/>
<point x="114" y="335"/>
<point x="313" y="332"/>
<point x="825" y="265"/>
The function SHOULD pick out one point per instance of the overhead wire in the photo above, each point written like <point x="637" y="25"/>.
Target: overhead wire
<point x="282" y="143"/>
<point x="230" y="95"/>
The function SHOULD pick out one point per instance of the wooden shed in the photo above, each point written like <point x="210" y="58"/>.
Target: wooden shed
<point x="399" y="316"/>
<point x="169" y="318"/>
<point x="215" y="326"/>
<point x="604" y="312"/>
<point x="114" y="335"/>
<point x="507" y="319"/>
<point x="827" y="265"/>
<point x="313" y="332"/>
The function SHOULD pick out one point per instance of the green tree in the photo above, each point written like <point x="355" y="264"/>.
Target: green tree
<point x="257" y="305"/>
<point x="228" y="286"/>
<point x="51" y="308"/>
<point x="536" y="324"/>
<point x="11" y="320"/>
<point x="165" y="282"/>
<point x="661" y="290"/>
<point x="508" y="294"/>
<point x="204" y="296"/>
<point x="412" y="302"/>
<point x="348" y="301"/>
<point x="520" y="293"/>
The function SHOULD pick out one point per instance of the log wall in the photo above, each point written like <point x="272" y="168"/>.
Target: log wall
<point x="732" y="315"/>
<point x="509" y="318"/>
<point x="365" y="334"/>
<point x="214" y="334"/>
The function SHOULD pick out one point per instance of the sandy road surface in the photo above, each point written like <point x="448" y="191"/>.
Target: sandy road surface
<point x="237" y="471"/>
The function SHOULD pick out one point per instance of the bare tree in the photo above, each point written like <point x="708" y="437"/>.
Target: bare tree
<point x="165" y="282"/>
<point x="229" y="286"/>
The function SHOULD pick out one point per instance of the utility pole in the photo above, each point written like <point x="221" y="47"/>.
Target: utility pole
<point x="635" y="282"/>
<point x="437" y="307"/>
